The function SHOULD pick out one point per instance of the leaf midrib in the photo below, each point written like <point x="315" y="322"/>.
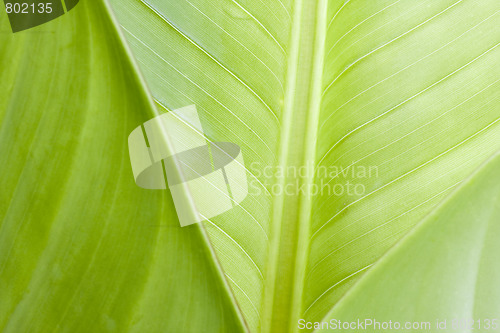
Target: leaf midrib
<point x="282" y="300"/>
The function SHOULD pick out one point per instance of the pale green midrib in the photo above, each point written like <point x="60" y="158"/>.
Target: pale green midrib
<point x="311" y="140"/>
<point x="307" y="46"/>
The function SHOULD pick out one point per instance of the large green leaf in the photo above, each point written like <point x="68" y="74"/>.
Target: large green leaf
<point x="407" y="91"/>
<point x="408" y="87"/>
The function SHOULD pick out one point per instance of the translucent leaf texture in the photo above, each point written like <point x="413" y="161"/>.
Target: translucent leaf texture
<point x="450" y="259"/>
<point x="408" y="88"/>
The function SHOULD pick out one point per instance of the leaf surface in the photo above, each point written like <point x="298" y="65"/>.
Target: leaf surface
<point x="445" y="271"/>
<point x="404" y="91"/>
<point x="383" y="107"/>
<point x="82" y="248"/>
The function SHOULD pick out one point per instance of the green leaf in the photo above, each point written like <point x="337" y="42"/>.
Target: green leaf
<point x="446" y="269"/>
<point x="396" y="98"/>
<point x="408" y="88"/>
